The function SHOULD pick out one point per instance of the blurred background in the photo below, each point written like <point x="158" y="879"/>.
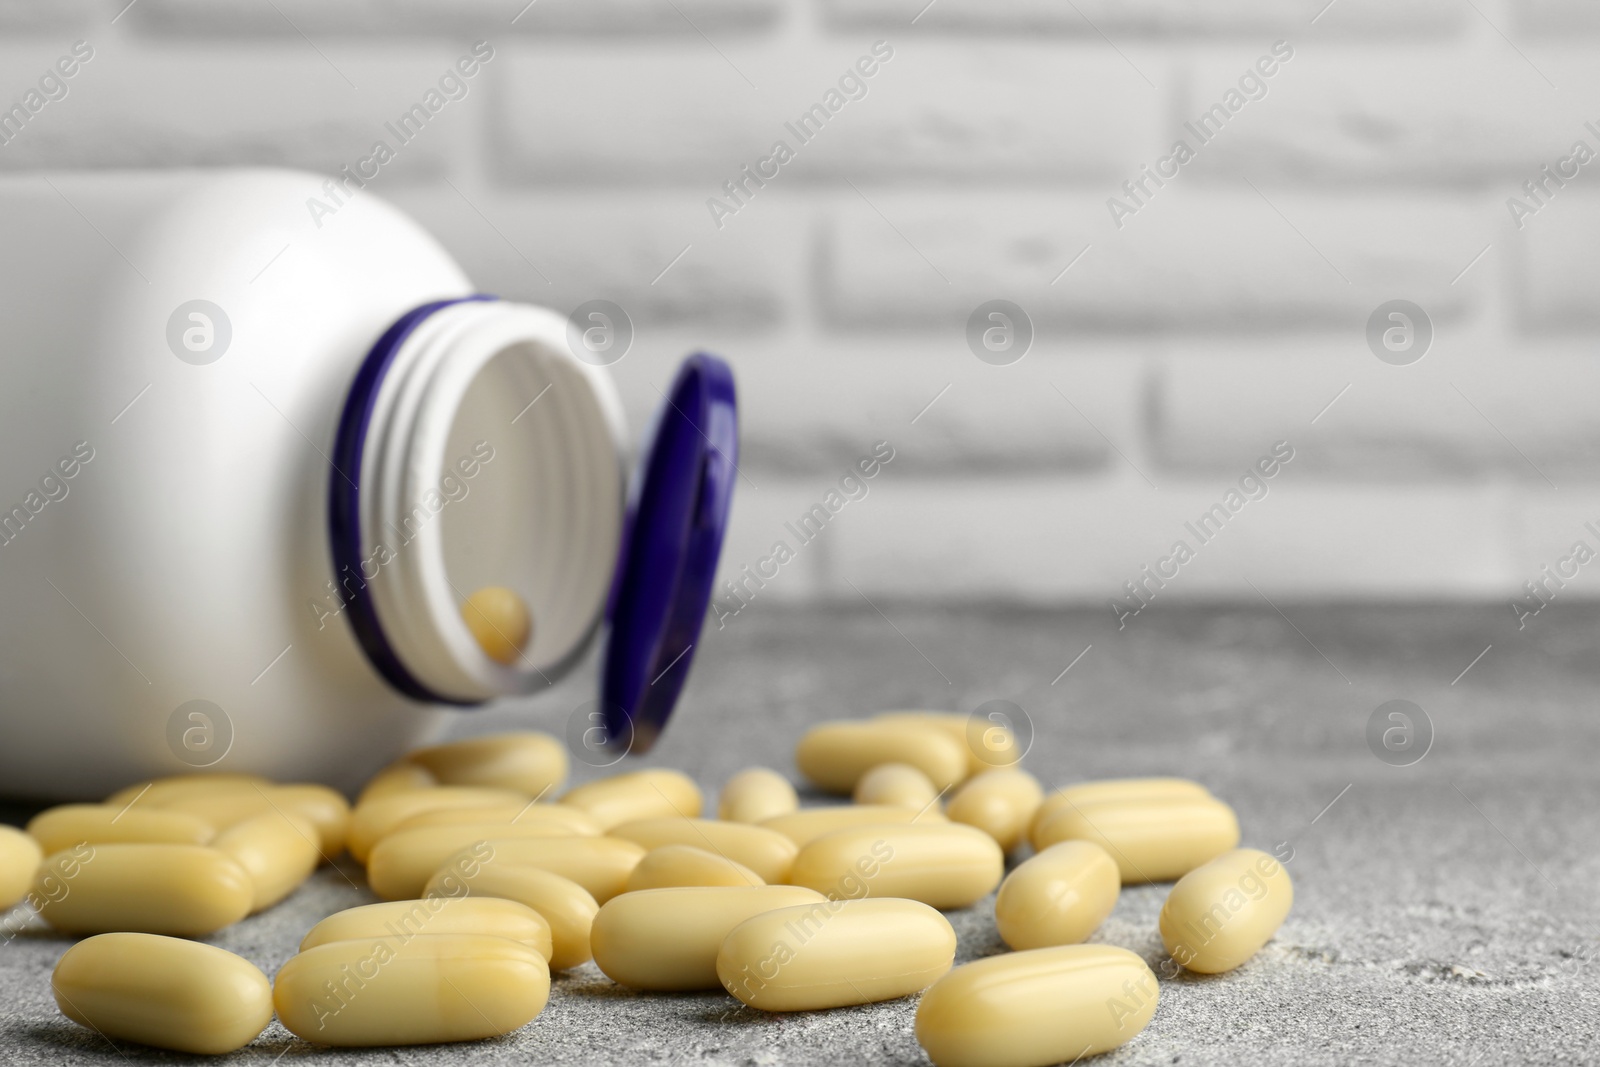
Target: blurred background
<point x="1166" y="333"/>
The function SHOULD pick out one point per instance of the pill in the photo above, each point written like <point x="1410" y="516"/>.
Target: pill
<point x="62" y="827"/>
<point x="989" y="742"/>
<point x="399" y="777"/>
<point x="1001" y="803"/>
<point x="944" y="865"/>
<point x="163" y="991"/>
<point x="158" y="791"/>
<point x="421" y="990"/>
<point x="1058" y="897"/>
<point x="402" y="862"/>
<point x="834" y="953"/>
<point x="667" y="939"/>
<point x="835" y="755"/>
<point x="372" y="819"/>
<point x="1151" y="840"/>
<point x="600" y="864"/>
<point x="528" y="761"/>
<point x="278" y="852"/>
<point x="20" y="856"/>
<point x="767" y="852"/>
<point x="500" y="623"/>
<point x="1030" y="1009"/>
<point x="1114" y="789"/>
<point x="755" y="794"/>
<point x="1221" y="913"/>
<point x="223" y="808"/>
<point x="563" y="903"/>
<point x="324" y="808"/>
<point x="183" y="890"/>
<point x="803" y="827"/>
<point x="898" y="784"/>
<point x="524" y="814"/>
<point x="639" y="795"/>
<point x="670" y="866"/>
<point x="229" y="806"/>
<point x="435" y="914"/>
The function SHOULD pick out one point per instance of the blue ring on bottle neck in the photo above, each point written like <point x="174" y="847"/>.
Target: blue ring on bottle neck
<point x="344" y="505"/>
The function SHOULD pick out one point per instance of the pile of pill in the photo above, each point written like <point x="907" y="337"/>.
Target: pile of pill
<point x="485" y="888"/>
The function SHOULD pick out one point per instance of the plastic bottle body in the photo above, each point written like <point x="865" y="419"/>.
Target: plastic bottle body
<point x="172" y="604"/>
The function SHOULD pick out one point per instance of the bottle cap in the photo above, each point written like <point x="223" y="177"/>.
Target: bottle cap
<point x="677" y="515"/>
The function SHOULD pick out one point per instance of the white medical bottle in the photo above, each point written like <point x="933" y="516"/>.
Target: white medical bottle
<point x="250" y="468"/>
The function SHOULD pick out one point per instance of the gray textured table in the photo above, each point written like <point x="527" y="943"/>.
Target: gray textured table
<point x="1444" y="911"/>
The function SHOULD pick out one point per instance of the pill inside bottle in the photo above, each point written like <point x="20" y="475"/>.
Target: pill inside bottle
<point x="500" y="622"/>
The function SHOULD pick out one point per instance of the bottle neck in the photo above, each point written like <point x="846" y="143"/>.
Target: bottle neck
<point x="476" y="450"/>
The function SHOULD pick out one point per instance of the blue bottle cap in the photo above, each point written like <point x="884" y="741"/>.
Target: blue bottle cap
<point x="677" y="515"/>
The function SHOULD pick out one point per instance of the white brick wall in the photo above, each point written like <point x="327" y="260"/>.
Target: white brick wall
<point x="1227" y="313"/>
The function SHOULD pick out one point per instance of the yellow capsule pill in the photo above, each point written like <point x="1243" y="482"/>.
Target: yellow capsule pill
<point x="803" y="827"/>
<point x="563" y="903"/>
<point x="674" y="866"/>
<point x="571" y="820"/>
<point x="435" y="914"/>
<point x="527" y="761"/>
<point x="223" y="808"/>
<point x="500" y="623"/>
<point x="667" y="939"/>
<point x="232" y="804"/>
<point x="989" y="742"/>
<point x="835" y="755"/>
<point x="182" y="890"/>
<point x="20" y="856"/>
<point x="1000" y="803"/>
<point x="767" y="852"/>
<point x="897" y="784"/>
<point x="755" y="794"/>
<point x="600" y="864"/>
<point x="652" y="794"/>
<point x="1221" y="913"/>
<point x="1109" y="789"/>
<point x="945" y="865"/>
<point x="1152" y="841"/>
<point x="1058" y="897"/>
<point x="324" y="808"/>
<point x="157" y="792"/>
<point x="278" y="852"/>
<point x="835" y="953"/>
<point x="422" y="990"/>
<point x="1030" y="1009"/>
<point x="399" y="777"/>
<point x="62" y="827"/>
<point x="163" y="991"/>
<point x="373" y="819"/>
<point x="402" y="862"/>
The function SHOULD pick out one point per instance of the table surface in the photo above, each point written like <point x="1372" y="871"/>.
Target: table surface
<point x="1444" y="911"/>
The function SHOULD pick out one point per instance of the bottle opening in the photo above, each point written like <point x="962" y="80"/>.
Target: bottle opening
<point x="483" y="454"/>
